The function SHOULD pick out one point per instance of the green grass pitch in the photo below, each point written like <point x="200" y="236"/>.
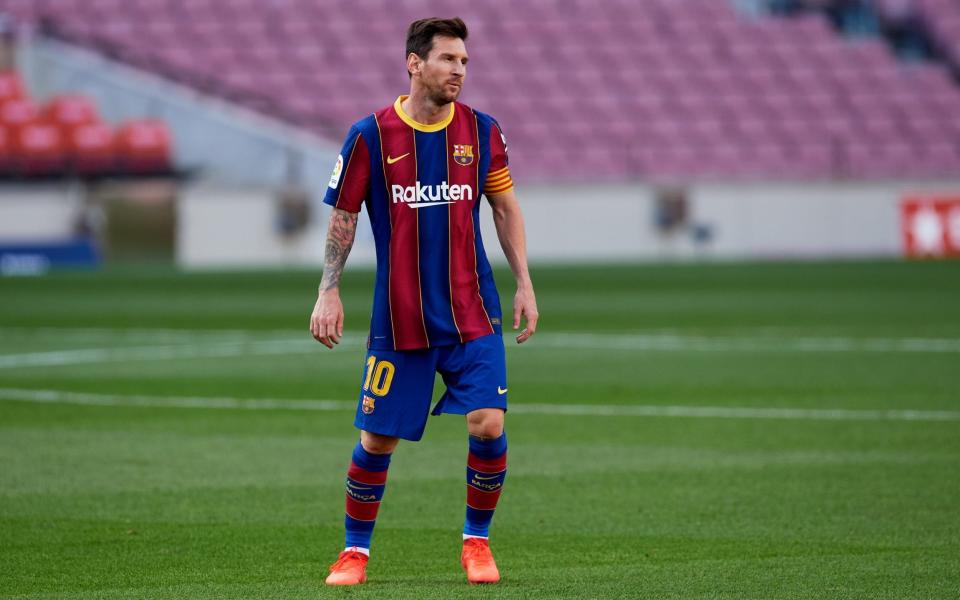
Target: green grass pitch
<point x="717" y="431"/>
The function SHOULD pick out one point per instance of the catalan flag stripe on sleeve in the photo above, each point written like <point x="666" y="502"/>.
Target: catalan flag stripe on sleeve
<point x="498" y="181"/>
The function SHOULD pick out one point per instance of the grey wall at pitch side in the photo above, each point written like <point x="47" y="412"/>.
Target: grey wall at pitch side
<point x="603" y="223"/>
<point x="223" y="225"/>
<point x="735" y="220"/>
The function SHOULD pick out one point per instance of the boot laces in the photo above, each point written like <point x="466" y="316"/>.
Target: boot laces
<point x="347" y="557"/>
<point x="478" y="552"/>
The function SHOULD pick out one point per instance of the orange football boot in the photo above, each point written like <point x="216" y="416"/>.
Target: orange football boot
<point x="477" y="561"/>
<point x="350" y="569"/>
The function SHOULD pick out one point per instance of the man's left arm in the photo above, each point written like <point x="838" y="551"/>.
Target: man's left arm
<point x="508" y="219"/>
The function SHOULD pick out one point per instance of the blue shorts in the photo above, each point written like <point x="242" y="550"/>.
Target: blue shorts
<point x="396" y="387"/>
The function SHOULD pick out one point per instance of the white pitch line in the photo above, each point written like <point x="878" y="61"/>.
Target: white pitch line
<point x="124" y="400"/>
<point x="687" y="343"/>
<point x="166" y="352"/>
<point x="143" y="334"/>
<point x="578" y="410"/>
<point x="725" y="412"/>
<point x="635" y="342"/>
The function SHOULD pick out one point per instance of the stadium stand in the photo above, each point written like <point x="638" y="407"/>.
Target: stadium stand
<point x="942" y="20"/>
<point x="623" y="90"/>
<point x="66" y="136"/>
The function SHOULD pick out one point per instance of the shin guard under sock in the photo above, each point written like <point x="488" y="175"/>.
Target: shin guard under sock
<point x="366" y="480"/>
<point x="486" y="470"/>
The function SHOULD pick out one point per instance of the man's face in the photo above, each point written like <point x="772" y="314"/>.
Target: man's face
<point x="443" y="72"/>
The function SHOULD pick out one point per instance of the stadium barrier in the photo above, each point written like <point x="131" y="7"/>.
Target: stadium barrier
<point x="599" y="223"/>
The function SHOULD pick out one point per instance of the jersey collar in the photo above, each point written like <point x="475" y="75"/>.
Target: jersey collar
<point x="418" y="125"/>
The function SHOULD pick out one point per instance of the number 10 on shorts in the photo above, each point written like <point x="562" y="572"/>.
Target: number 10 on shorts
<point x="379" y="376"/>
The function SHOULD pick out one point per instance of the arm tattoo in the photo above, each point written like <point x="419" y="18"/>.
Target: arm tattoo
<point x="340" y="234"/>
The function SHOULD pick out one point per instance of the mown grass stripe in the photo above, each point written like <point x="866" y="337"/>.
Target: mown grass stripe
<point x="630" y="342"/>
<point x="578" y="410"/>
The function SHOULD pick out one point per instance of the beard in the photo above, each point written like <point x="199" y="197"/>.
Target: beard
<point x="441" y="95"/>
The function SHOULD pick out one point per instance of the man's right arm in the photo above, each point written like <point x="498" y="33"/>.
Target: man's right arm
<point x="326" y="322"/>
<point x="348" y="188"/>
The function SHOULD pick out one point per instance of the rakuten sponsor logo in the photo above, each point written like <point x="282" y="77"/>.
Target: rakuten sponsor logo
<point x="418" y="196"/>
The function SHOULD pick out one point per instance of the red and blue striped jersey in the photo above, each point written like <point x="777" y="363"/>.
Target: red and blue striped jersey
<point x="422" y="186"/>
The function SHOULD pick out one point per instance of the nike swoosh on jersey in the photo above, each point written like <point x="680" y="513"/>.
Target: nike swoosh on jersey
<point x="501" y="390"/>
<point x="391" y="160"/>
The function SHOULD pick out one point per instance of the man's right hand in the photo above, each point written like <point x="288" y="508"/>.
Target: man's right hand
<point x="326" y="322"/>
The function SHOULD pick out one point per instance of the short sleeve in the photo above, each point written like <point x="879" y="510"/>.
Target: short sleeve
<point x="498" y="177"/>
<point x="498" y="148"/>
<point x="351" y="174"/>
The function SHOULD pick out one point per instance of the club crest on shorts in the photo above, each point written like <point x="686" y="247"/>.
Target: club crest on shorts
<point x="463" y="154"/>
<point x="368" y="404"/>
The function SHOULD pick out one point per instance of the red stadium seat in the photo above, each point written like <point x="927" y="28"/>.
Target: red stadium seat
<point x="15" y="116"/>
<point x="92" y="150"/>
<point x="18" y="112"/>
<point x="6" y="153"/>
<point x="71" y="110"/>
<point x="39" y="150"/>
<point x="11" y="86"/>
<point x="144" y="147"/>
<point x="74" y="114"/>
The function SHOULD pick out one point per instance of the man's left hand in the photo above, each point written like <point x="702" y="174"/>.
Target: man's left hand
<point x="525" y="305"/>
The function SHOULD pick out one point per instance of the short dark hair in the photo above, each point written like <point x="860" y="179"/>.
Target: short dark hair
<point x="420" y="34"/>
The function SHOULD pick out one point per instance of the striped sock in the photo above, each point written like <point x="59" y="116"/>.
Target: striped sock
<point x="486" y="470"/>
<point x="366" y="480"/>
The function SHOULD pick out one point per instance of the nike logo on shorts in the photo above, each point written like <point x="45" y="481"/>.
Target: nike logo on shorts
<point x="501" y="390"/>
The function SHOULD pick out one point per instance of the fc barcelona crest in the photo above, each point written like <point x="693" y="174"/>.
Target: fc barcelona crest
<point x="463" y="154"/>
<point x="368" y="404"/>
